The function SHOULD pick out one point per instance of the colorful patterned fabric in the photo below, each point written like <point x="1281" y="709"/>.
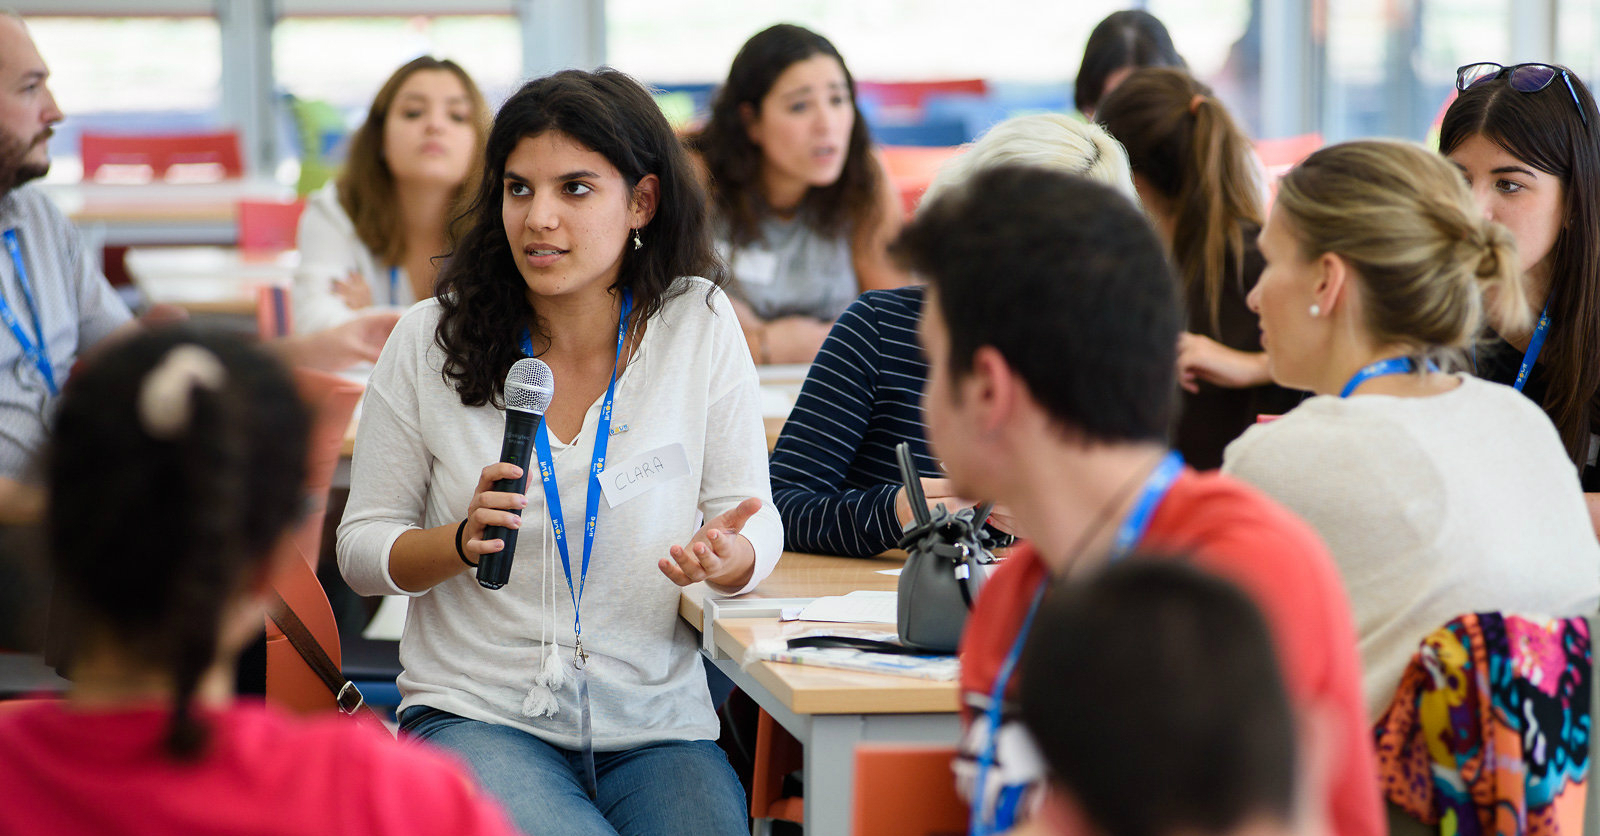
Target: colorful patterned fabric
<point x="1489" y="730"/>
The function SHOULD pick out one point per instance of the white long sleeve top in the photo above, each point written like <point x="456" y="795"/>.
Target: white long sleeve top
<point x="1432" y="508"/>
<point x="474" y="652"/>
<point x="330" y="250"/>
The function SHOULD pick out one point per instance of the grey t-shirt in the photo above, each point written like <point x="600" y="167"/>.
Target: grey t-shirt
<point x="792" y="270"/>
<point x="77" y="308"/>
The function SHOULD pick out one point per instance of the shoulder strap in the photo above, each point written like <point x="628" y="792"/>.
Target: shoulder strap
<point x="345" y="693"/>
<point x="1591" y="806"/>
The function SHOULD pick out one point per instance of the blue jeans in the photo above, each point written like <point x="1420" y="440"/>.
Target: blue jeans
<point x="675" y="787"/>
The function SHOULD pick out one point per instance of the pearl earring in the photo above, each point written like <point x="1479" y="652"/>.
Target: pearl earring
<point x="636" y="242"/>
<point x="1316" y="309"/>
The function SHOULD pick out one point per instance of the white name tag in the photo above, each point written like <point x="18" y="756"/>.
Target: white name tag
<point x="753" y="266"/>
<point x="622" y="482"/>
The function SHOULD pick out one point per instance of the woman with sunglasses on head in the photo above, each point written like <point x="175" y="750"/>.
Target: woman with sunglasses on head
<point x="803" y="210"/>
<point x="575" y="692"/>
<point x="1525" y="139"/>
<point x="1437" y="493"/>
<point x="199" y="443"/>
<point x="1199" y="183"/>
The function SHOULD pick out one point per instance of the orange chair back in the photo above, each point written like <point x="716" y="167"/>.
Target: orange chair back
<point x="291" y="683"/>
<point x="778" y="753"/>
<point x="160" y="153"/>
<point x="905" y="790"/>
<point x="332" y="400"/>
<point x="1280" y="155"/>
<point x="911" y="169"/>
<point x="269" y="224"/>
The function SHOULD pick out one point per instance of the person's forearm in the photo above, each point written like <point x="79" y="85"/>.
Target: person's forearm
<point x="1593" y="501"/>
<point x="20" y="504"/>
<point x="424" y="558"/>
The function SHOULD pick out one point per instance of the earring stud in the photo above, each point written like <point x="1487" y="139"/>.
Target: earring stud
<point x="1316" y="309"/>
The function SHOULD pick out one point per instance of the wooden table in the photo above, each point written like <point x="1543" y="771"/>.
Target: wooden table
<point x="208" y="279"/>
<point x="828" y="711"/>
<point x="126" y="214"/>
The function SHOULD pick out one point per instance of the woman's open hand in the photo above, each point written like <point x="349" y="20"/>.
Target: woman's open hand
<point x="717" y="553"/>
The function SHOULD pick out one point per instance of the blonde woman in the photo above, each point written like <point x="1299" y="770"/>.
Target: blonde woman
<point x="373" y="237"/>
<point x="835" y="479"/>
<point x="1438" y="493"/>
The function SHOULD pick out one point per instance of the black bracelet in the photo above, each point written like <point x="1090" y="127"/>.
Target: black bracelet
<point x="460" y="552"/>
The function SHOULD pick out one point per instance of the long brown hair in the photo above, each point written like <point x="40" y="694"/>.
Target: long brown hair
<point x="1544" y="130"/>
<point x="1183" y="142"/>
<point x="366" y="185"/>
<point x="734" y="162"/>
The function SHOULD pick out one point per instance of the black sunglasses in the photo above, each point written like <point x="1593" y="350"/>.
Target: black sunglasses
<point x="1524" y="78"/>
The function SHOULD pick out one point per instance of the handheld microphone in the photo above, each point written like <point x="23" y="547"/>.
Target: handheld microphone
<point x="529" y="388"/>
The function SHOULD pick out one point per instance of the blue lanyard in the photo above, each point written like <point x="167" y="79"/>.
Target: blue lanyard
<point x="1382" y="368"/>
<point x="34" y="352"/>
<point x="1129" y="534"/>
<point x="394" y="287"/>
<point x="552" y="492"/>
<point x="1535" y="344"/>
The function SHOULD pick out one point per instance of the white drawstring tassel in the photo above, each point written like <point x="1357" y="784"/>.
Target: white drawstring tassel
<point x="541" y="698"/>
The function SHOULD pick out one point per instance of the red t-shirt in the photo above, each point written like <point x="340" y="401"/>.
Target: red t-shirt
<point x="67" y="772"/>
<point x="1242" y="536"/>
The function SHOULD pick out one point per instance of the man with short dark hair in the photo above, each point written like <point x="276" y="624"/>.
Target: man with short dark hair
<point x="1051" y="331"/>
<point x="1189" y="701"/>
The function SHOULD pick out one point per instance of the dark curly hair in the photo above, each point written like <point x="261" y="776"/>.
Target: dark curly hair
<point x="734" y="162"/>
<point x="482" y="296"/>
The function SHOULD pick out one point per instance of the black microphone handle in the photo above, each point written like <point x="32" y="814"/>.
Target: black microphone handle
<point x="494" y="569"/>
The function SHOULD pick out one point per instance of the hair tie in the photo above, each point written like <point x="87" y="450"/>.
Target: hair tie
<point x="1194" y="103"/>
<point x="166" y="398"/>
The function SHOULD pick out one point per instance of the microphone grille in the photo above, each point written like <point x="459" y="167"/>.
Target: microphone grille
<point x="529" y="386"/>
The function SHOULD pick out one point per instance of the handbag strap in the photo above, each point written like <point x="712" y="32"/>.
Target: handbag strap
<point x="345" y="693"/>
<point x="1591" y="805"/>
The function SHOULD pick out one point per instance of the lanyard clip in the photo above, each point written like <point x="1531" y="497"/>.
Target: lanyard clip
<point x="579" y="658"/>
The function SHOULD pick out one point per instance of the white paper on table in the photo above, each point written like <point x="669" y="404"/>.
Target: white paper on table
<point x="859" y="606"/>
<point x="390" y="621"/>
<point x="894" y="573"/>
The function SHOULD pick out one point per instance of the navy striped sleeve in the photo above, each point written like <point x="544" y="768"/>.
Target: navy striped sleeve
<point x="834" y="472"/>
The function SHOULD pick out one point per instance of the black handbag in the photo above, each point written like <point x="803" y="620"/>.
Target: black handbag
<point x="943" y="574"/>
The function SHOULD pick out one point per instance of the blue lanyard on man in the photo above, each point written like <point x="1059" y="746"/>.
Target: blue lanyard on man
<point x="552" y="498"/>
<point x="36" y="352"/>
<point x="394" y="288"/>
<point x="1383" y="368"/>
<point x="1129" y="534"/>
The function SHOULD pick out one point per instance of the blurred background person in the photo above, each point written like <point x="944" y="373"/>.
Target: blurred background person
<point x="1120" y="44"/>
<point x="374" y="235"/>
<point x="802" y="209"/>
<point x="1199" y="182"/>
